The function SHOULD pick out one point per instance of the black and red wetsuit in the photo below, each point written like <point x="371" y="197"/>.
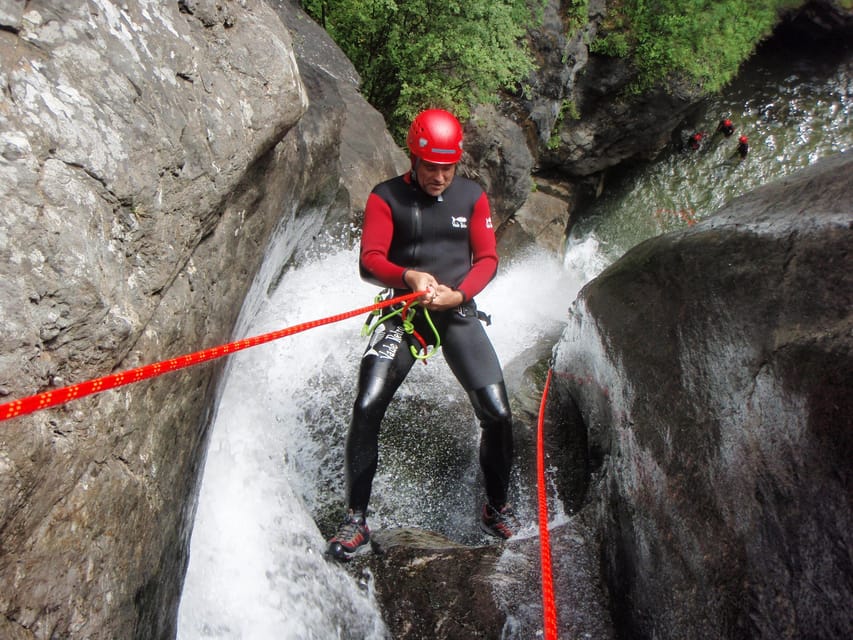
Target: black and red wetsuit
<point x="451" y="237"/>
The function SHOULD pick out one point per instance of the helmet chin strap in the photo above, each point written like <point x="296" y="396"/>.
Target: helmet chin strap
<point x="414" y="170"/>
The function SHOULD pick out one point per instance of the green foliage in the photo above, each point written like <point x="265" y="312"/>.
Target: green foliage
<point x="614" y="44"/>
<point x="704" y="41"/>
<point x="416" y="54"/>
<point x="454" y="54"/>
<point x="577" y="13"/>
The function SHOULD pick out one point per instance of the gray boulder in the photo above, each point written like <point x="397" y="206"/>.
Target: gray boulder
<point x="430" y="587"/>
<point x="711" y="370"/>
<point x="148" y="153"/>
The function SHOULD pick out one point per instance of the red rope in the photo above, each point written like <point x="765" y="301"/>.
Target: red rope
<point x="550" y="611"/>
<point x="65" y="394"/>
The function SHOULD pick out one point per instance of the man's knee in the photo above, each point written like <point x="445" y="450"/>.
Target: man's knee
<point x="491" y="405"/>
<point x="372" y="399"/>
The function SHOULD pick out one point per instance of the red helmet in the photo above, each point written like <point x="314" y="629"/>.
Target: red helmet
<point x="436" y="136"/>
<point x="742" y="139"/>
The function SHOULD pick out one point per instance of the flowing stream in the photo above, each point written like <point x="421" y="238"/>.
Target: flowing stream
<point x="794" y="106"/>
<point x="272" y="488"/>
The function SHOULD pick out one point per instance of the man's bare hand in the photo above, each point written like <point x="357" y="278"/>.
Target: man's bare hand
<point x="422" y="281"/>
<point x="445" y="298"/>
<point x="438" y="297"/>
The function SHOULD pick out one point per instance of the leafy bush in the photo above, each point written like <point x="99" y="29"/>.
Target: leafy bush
<point x="417" y="54"/>
<point x="701" y="40"/>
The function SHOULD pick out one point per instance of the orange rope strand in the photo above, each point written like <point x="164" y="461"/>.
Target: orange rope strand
<point x="549" y="609"/>
<point x="34" y="403"/>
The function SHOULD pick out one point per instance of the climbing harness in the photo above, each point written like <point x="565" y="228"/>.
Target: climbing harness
<point x="407" y="313"/>
<point x="66" y="394"/>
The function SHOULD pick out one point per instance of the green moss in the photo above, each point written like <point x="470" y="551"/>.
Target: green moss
<point x="614" y="45"/>
<point x="568" y="109"/>
<point x="577" y="13"/>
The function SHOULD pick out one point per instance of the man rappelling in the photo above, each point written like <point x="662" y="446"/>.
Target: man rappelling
<point x="429" y="230"/>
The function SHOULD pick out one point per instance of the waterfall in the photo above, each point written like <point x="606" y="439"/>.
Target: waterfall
<point x="274" y="462"/>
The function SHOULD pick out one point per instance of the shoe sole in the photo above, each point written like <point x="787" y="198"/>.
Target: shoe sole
<point x="487" y="529"/>
<point x="340" y="554"/>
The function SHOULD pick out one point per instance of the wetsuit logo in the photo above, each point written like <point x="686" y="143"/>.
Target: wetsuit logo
<point x="384" y="345"/>
<point x="459" y="223"/>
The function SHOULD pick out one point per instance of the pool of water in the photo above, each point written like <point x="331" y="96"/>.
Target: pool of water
<point x="794" y="108"/>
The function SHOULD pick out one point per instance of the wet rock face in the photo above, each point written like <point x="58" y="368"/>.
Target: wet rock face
<point x="712" y="368"/>
<point x="126" y="130"/>
<point x="148" y="151"/>
<point x="430" y="587"/>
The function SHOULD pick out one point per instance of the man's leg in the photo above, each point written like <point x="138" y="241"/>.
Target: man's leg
<point x="384" y="366"/>
<point x="491" y="407"/>
<point x="473" y="360"/>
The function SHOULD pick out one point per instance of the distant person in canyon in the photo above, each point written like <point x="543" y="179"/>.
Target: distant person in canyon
<point x="726" y="127"/>
<point x="429" y="230"/>
<point x="742" y="146"/>
<point x="696" y="140"/>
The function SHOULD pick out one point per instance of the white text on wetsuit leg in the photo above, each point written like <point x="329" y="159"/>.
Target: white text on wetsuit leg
<point x="388" y="344"/>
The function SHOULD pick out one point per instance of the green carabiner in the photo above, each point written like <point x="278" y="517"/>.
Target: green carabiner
<point x="408" y="327"/>
<point x="433" y="348"/>
<point x="368" y="328"/>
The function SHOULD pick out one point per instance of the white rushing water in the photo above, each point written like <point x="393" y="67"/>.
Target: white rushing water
<point x="274" y="460"/>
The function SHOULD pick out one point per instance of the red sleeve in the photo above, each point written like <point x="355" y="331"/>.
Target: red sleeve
<point x="376" y="233"/>
<point x="484" y="254"/>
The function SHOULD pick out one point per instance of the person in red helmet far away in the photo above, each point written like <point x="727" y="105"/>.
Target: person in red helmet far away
<point x="696" y="140"/>
<point x="743" y="146"/>
<point x="726" y="127"/>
